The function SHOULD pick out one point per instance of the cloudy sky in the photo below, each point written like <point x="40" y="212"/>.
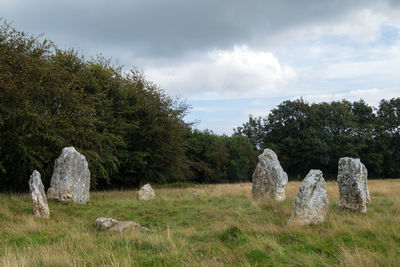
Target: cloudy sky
<point x="232" y="58"/>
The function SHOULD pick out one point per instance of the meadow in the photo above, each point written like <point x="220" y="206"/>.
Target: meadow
<point x="219" y="225"/>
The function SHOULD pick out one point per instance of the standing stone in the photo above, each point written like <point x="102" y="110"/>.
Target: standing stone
<point x="269" y="178"/>
<point x="353" y="187"/>
<point x="40" y="207"/>
<point x="146" y="193"/>
<point x="71" y="177"/>
<point x="311" y="203"/>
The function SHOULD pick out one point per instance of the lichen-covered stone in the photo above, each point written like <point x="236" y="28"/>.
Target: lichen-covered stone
<point x="71" y="178"/>
<point x="269" y="178"/>
<point x="311" y="205"/>
<point x="40" y="207"/>
<point x="146" y="192"/>
<point x="118" y="226"/>
<point x="353" y="186"/>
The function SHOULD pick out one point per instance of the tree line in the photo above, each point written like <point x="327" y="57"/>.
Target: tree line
<point x="314" y="136"/>
<point x="130" y="131"/>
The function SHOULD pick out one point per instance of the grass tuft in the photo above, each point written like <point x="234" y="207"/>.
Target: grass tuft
<point x="219" y="225"/>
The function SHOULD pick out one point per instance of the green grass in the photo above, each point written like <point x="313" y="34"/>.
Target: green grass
<point x="219" y="226"/>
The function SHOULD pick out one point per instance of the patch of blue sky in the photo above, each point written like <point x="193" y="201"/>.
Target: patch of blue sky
<point x="223" y="115"/>
<point x="389" y="34"/>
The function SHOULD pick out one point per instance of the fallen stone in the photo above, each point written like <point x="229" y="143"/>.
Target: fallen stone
<point x="311" y="205"/>
<point x="146" y="192"/>
<point x="40" y="207"/>
<point x="118" y="226"/>
<point x="353" y="187"/>
<point x="71" y="178"/>
<point x="269" y="178"/>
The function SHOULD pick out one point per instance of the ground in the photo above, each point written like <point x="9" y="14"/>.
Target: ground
<point x="219" y="226"/>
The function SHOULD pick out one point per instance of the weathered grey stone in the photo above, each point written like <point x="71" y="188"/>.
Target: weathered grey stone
<point x="71" y="178"/>
<point x="118" y="226"/>
<point x="40" y="207"/>
<point x="146" y="193"/>
<point x="353" y="186"/>
<point x="269" y="178"/>
<point x="311" y="205"/>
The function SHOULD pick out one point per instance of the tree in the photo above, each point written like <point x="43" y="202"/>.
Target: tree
<point x="208" y="157"/>
<point x="242" y="158"/>
<point x="314" y="136"/>
<point x="129" y="130"/>
<point x="388" y="135"/>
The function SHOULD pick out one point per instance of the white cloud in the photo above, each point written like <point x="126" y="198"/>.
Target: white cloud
<point x="237" y="73"/>
<point x="257" y="112"/>
<point x="361" y="26"/>
<point x="371" y="96"/>
<point x="210" y="109"/>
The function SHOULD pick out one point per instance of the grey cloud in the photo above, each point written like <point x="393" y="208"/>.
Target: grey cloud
<point x="170" y="28"/>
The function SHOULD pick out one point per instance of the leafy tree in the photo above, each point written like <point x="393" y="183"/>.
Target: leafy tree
<point x="388" y="135"/>
<point x="242" y="158"/>
<point x="208" y="157"/>
<point x="314" y="136"/>
<point x="129" y="130"/>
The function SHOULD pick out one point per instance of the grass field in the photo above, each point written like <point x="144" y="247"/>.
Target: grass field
<point x="221" y="226"/>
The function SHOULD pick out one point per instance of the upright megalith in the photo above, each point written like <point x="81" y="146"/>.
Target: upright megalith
<point x="40" y="207"/>
<point x="311" y="205"/>
<point x="353" y="187"/>
<point x="269" y="178"/>
<point x="71" y="177"/>
<point x="146" y="192"/>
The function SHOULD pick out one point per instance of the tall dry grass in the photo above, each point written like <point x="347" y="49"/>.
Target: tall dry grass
<point x="220" y="225"/>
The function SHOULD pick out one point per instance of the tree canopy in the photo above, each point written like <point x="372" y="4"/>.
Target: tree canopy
<point x="130" y="131"/>
<point x="314" y="136"/>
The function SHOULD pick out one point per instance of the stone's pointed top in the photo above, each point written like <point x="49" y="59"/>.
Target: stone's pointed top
<point x="35" y="177"/>
<point x="268" y="153"/>
<point x="314" y="175"/>
<point x="71" y="177"/>
<point x="40" y="207"/>
<point x="349" y="158"/>
<point x="69" y="149"/>
<point x="35" y="181"/>
<point x="311" y="203"/>
<point x="146" y="187"/>
<point x="269" y="178"/>
<point x="353" y="186"/>
<point x="354" y="162"/>
<point x="146" y="192"/>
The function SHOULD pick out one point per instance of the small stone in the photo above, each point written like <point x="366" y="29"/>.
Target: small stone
<point x="353" y="187"/>
<point x="71" y="178"/>
<point x="146" y="193"/>
<point x="311" y="205"/>
<point x="118" y="226"/>
<point x="40" y="207"/>
<point x="269" y="178"/>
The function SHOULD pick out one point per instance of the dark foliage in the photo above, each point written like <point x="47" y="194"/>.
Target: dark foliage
<point x="214" y="158"/>
<point x="130" y="131"/>
<point x="314" y="136"/>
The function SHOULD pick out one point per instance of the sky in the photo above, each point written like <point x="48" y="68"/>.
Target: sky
<point x="231" y="58"/>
